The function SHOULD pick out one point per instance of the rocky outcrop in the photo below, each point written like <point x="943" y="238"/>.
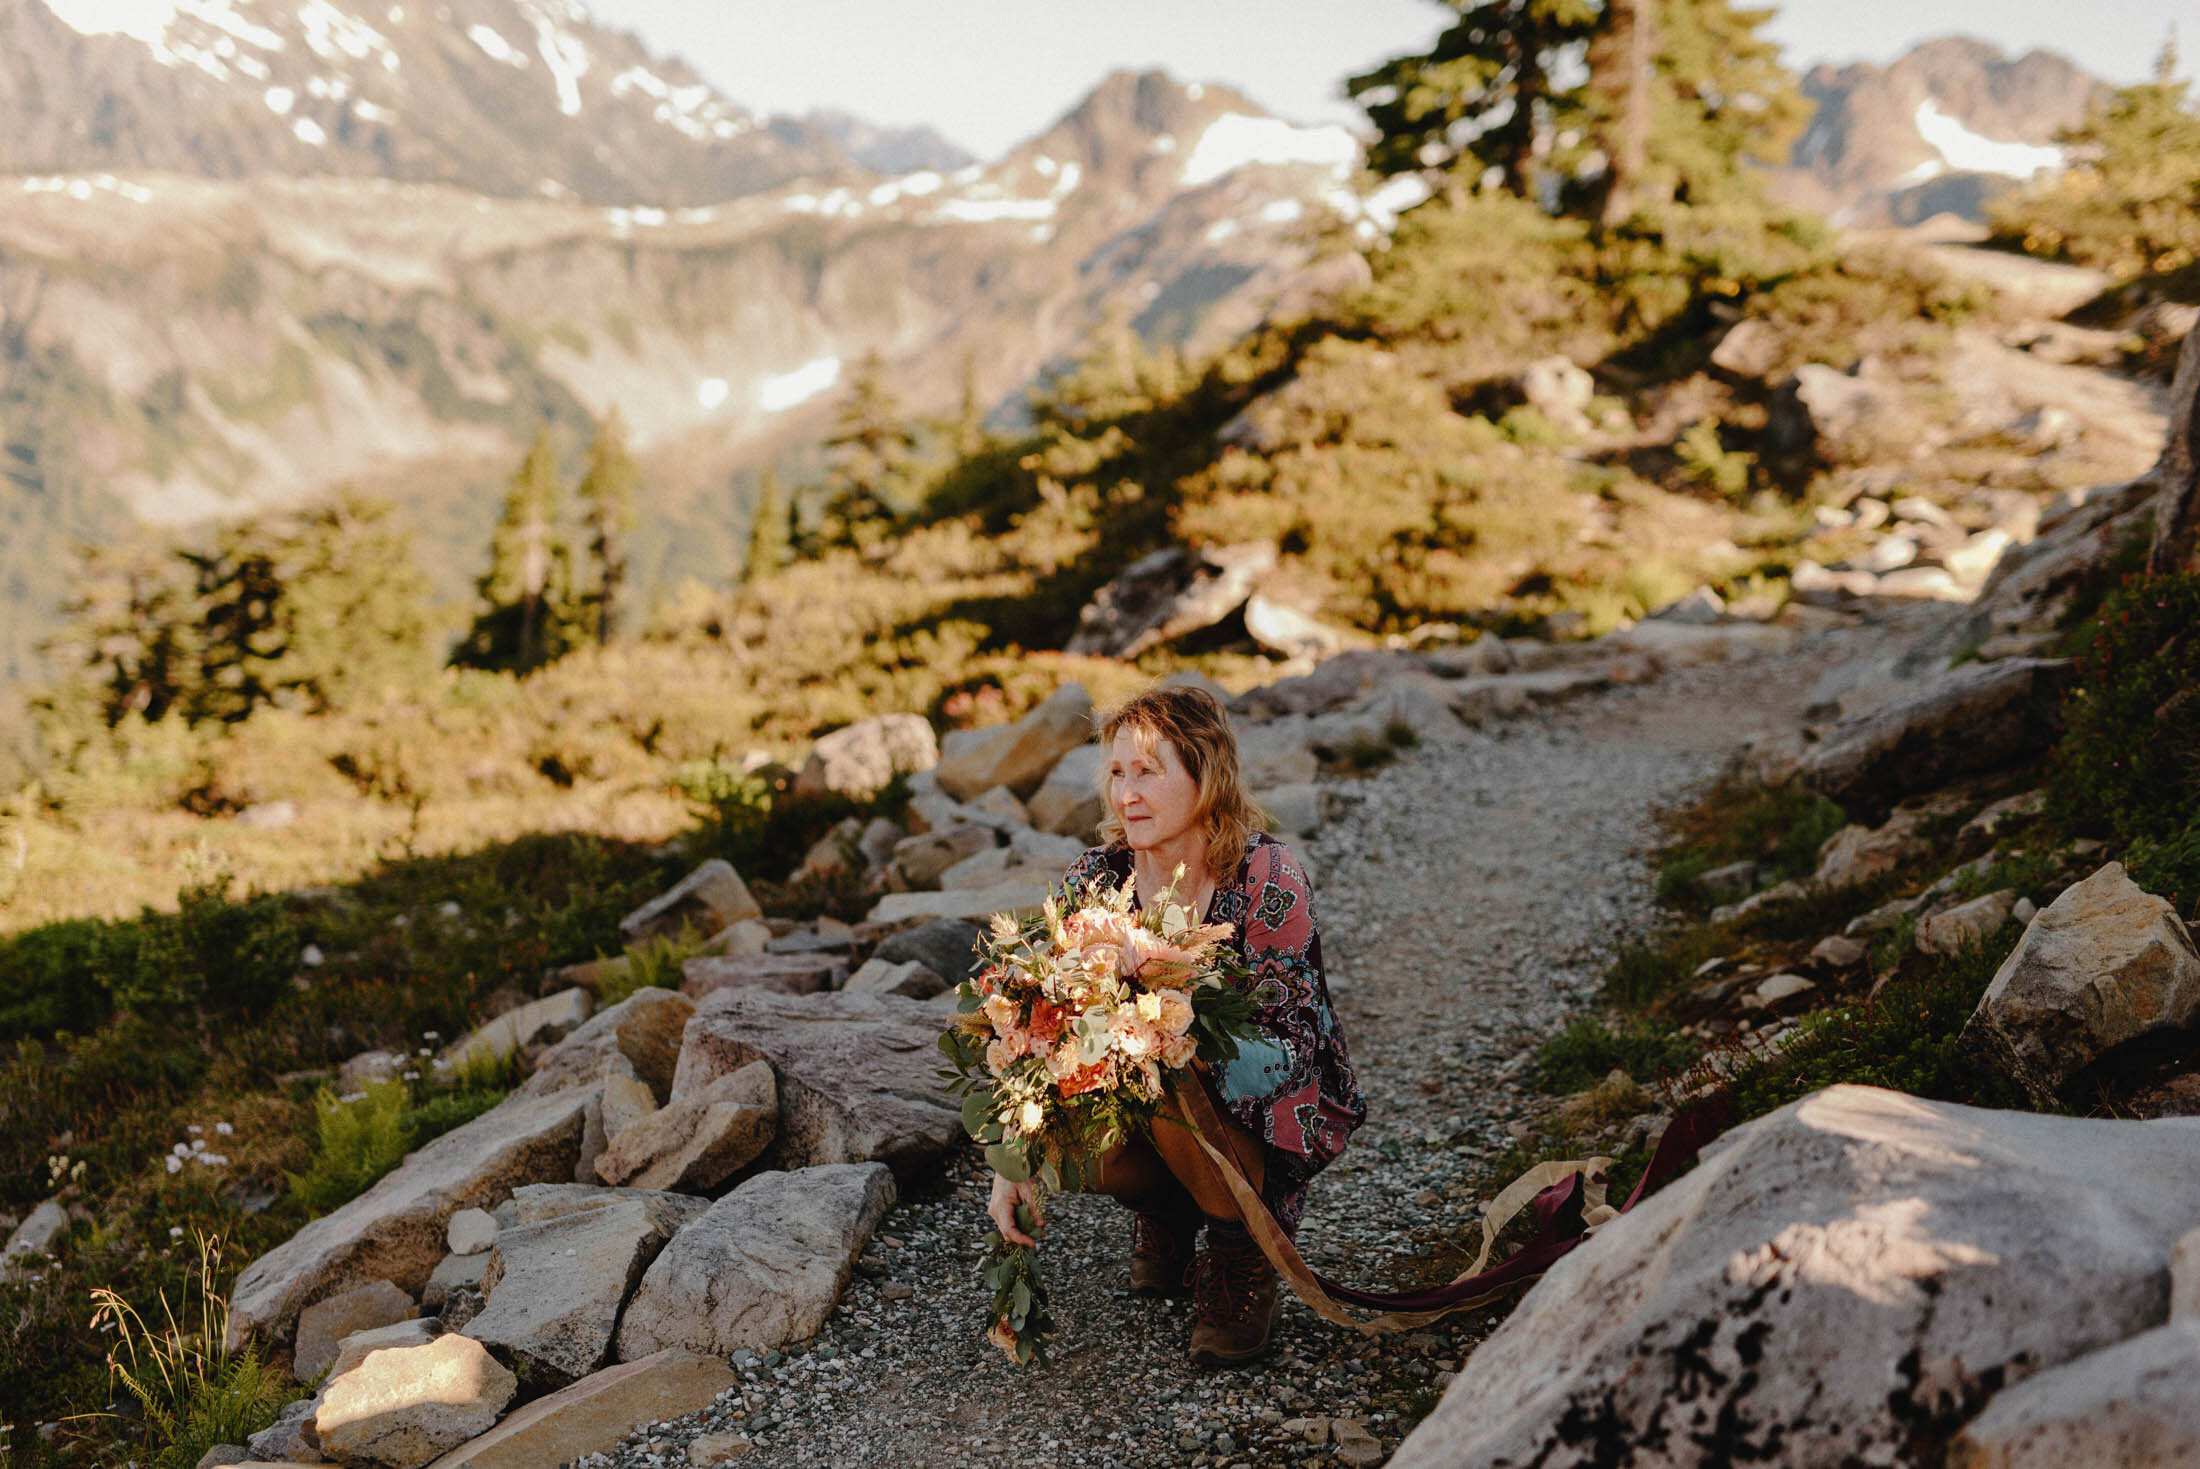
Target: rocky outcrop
<point x="860" y="760"/>
<point x="593" y="1415"/>
<point x="1016" y="755"/>
<point x="711" y="898"/>
<point x="697" y="1141"/>
<point x="1833" y="1281"/>
<point x="855" y="1072"/>
<point x="1069" y="801"/>
<point x="1020" y="895"/>
<point x="946" y="946"/>
<point x="2104" y="964"/>
<point x="535" y="1023"/>
<point x="554" y="1288"/>
<point x="642" y="1031"/>
<point x="762" y="1268"/>
<point x="919" y="860"/>
<point x="402" y="1408"/>
<point x="1168" y="594"/>
<point x="395" y="1230"/>
<point x="911" y="980"/>
<point x="1979" y="718"/>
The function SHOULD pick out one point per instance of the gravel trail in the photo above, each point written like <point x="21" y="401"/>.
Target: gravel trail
<point x="1471" y="896"/>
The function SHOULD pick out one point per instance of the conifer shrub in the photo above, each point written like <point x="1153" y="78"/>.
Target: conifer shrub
<point x="2128" y="763"/>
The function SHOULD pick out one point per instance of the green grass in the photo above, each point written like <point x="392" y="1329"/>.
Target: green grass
<point x="1905" y="1040"/>
<point x="1779" y="827"/>
<point x="1588" y="1050"/>
<point x="1649" y="970"/>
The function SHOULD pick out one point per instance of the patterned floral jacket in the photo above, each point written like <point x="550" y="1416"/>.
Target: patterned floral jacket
<point x="1294" y="1088"/>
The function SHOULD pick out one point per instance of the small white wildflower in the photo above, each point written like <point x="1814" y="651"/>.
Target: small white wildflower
<point x="349" y="1097"/>
<point x="175" y="1231"/>
<point x="194" y="1129"/>
<point x="410" y="1075"/>
<point x="215" y="1160"/>
<point x="431" y="1035"/>
<point x="175" y="1164"/>
<point x="180" y="1149"/>
<point x="426" y="1052"/>
<point x="223" y="1129"/>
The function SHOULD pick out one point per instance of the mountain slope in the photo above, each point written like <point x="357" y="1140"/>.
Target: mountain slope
<point x="506" y="97"/>
<point x="1943" y="128"/>
<point x="173" y="349"/>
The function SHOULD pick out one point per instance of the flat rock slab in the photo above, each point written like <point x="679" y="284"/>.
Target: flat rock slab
<point x="395" y="1230"/>
<point x="593" y="1415"/>
<point x="642" y="1030"/>
<point x="785" y="974"/>
<point x="548" y="1019"/>
<point x="1017" y="755"/>
<point x="1978" y="718"/>
<point x="763" y="1268"/>
<point x="403" y="1408"/>
<point x="855" y="1072"/>
<point x="554" y="1289"/>
<point x="539" y="1203"/>
<point x="698" y="1141"/>
<point x="2103" y="964"/>
<point x="1024" y="895"/>
<point x="1830" y="1281"/>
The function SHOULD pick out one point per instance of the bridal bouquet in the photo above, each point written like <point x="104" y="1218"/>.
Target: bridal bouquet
<point x="1063" y="1047"/>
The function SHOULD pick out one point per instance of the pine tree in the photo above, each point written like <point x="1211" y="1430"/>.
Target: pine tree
<point x="527" y="617"/>
<point x="2130" y="201"/>
<point x="607" y="509"/>
<point x="1597" y="108"/>
<point x="870" y="450"/>
<point x="970" y="430"/>
<point x="358" y="616"/>
<point x="771" y="529"/>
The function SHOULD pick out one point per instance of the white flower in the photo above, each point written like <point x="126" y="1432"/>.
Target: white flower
<point x="175" y="1164"/>
<point x="194" y="1129"/>
<point x="426" y="1052"/>
<point x="175" y="1231"/>
<point x="180" y="1149"/>
<point x="1030" y="1116"/>
<point x="223" y="1129"/>
<point x="431" y="1035"/>
<point x="410" y="1075"/>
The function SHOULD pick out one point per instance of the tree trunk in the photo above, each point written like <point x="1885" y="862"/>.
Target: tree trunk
<point x="1518" y="132"/>
<point x="2177" y="508"/>
<point x="1627" y="145"/>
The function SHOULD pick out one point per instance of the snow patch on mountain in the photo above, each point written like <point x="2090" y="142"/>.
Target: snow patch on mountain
<point x="1972" y="153"/>
<point x="789" y="389"/>
<point x="1234" y="139"/>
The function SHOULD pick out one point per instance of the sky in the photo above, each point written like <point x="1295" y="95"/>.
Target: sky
<point x="990" y="73"/>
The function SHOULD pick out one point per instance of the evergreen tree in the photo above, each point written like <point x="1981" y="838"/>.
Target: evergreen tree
<point x="1592" y="107"/>
<point x="2130" y="201"/>
<point x="607" y="508"/>
<point x="970" y="431"/>
<point x="869" y="450"/>
<point x="528" y="615"/>
<point x="771" y="529"/>
<point x="132" y="632"/>
<point x="358" y="615"/>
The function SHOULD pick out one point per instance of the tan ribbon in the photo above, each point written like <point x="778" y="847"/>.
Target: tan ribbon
<point x="1199" y="1110"/>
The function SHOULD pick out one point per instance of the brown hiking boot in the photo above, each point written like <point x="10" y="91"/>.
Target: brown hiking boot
<point x="1164" y="1247"/>
<point x="1235" y="1315"/>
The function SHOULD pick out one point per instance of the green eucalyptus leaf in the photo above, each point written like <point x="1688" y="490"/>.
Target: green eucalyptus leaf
<point x="1007" y="1159"/>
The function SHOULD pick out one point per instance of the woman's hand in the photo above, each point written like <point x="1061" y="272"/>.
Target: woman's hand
<point x="1001" y="1208"/>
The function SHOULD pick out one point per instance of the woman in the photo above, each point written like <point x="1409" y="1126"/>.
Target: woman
<point x="1289" y="1099"/>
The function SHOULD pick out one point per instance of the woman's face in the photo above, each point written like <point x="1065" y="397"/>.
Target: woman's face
<point x="1152" y="793"/>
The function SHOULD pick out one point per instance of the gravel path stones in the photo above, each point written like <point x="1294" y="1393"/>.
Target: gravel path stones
<point x="1471" y="896"/>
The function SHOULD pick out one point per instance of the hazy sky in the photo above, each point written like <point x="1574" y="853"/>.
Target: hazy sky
<point x="989" y="73"/>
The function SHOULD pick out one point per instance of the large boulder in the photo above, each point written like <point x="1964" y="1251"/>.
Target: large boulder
<point x="395" y="1230"/>
<point x="2103" y="964"/>
<point x="594" y="1414"/>
<point x="1833" y="1282"/>
<point x="856" y="1073"/>
<point x="763" y="1268"/>
<point x="919" y="860"/>
<point x="1979" y="718"/>
<point x="1168" y="594"/>
<point x="1069" y="801"/>
<point x="1017" y="755"/>
<point x="786" y="974"/>
<point x="946" y="946"/>
<point x="2135" y="1405"/>
<point x="696" y="1142"/>
<point x="554" y="1289"/>
<point x="707" y="901"/>
<point x="642" y="1031"/>
<point x="1331" y="684"/>
<point x="326" y="1324"/>
<point x="402" y="1408"/>
<point x="860" y="760"/>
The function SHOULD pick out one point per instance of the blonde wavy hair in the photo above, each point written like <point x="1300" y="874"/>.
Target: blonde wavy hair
<point x="1190" y="720"/>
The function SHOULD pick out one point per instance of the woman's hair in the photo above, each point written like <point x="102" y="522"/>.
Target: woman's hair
<point x="1191" y="720"/>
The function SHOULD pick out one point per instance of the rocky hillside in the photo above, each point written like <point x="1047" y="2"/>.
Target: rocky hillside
<point x="174" y="348"/>
<point x="1941" y="130"/>
<point x="518" y="98"/>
